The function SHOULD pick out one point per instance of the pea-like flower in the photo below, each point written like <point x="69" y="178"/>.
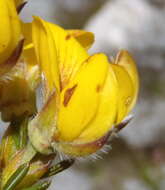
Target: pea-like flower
<point x="10" y="31"/>
<point x="85" y="96"/>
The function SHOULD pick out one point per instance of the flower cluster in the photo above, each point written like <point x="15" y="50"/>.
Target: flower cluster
<point x="85" y="97"/>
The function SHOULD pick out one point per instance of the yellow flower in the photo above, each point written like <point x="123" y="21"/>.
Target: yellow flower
<point x="10" y="32"/>
<point x="85" y="96"/>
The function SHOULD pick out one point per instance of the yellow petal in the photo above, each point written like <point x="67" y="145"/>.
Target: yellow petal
<point x="86" y="39"/>
<point x="9" y="29"/>
<point x="27" y="32"/>
<point x="80" y="98"/>
<point x="29" y="56"/>
<point x="125" y="91"/>
<point x="125" y="60"/>
<point x="32" y="69"/>
<point x="46" y="54"/>
<point x="70" y="53"/>
<point x="107" y="109"/>
<point x="5" y="26"/>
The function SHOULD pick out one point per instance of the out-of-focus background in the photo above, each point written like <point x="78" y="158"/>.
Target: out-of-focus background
<point x="137" y="158"/>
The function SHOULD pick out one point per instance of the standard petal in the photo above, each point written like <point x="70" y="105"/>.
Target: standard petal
<point x="70" y="53"/>
<point x="80" y="98"/>
<point x="47" y="55"/>
<point x="85" y="38"/>
<point x="63" y="56"/>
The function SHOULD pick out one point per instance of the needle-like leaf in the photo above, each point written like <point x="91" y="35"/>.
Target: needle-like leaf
<point x="16" y="178"/>
<point x="59" y="167"/>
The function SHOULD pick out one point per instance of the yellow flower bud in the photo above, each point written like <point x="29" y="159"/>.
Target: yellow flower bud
<point x="17" y="98"/>
<point x="19" y="78"/>
<point x="9" y="29"/>
<point x="85" y="96"/>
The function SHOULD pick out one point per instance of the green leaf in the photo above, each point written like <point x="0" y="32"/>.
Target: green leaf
<point x="59" y="167"/>
<point x="16" y="178"/>
<point x="41" y="186"/>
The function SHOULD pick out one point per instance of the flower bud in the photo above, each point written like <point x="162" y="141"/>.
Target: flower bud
<point x="19" y="79"/>
<point x="16" y="96"/>
<point x="85" y="96"/>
